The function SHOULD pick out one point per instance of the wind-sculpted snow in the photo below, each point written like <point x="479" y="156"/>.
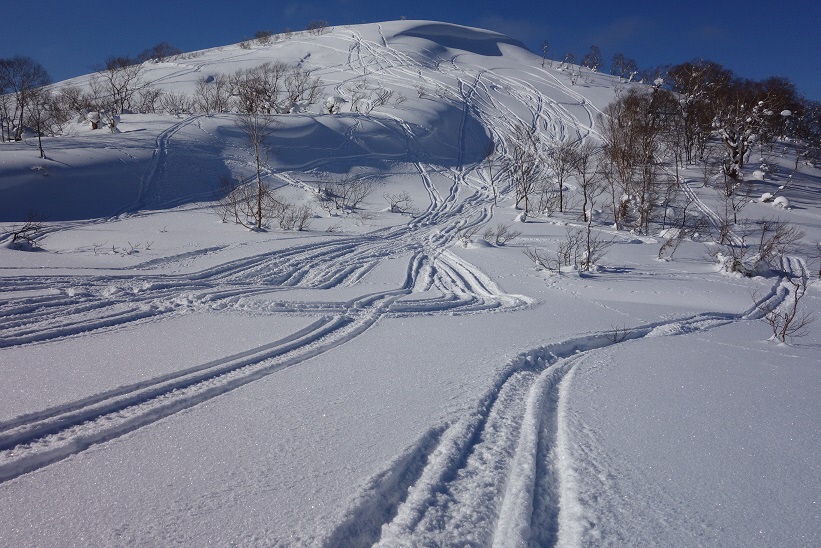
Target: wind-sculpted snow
<point x="480" y="42"/>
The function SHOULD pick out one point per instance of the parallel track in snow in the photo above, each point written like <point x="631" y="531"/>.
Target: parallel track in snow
<point x="80" y="305"/>
<point x="495" y="475"/>
<point x="499" y="475"/>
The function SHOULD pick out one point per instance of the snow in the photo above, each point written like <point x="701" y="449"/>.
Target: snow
<point x="169" y="378"/>
<point x="710" y="449"/>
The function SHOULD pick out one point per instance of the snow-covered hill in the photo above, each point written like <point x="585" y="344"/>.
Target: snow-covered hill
<point x="384" y="377"/>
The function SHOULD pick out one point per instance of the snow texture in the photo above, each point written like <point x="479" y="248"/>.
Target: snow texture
<point x="171" y="379"/>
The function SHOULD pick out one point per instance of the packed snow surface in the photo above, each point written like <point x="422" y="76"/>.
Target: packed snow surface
<point x="380" y="377"/>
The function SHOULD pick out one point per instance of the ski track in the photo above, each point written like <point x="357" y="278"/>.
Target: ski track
<point x="500" y="474"/>
<point x="496" y="475"/>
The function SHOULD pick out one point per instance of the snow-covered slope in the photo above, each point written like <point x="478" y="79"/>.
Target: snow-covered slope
<point x="168" y="378"/>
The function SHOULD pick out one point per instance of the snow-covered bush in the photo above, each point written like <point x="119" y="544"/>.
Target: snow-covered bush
<point x="333" y="103"/>
<point x="774" y="240"/>
<point x="93" y="119"/>
<point x="781" y="202"/>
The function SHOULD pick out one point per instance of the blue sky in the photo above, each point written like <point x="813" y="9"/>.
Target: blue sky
<point x="755" y="39"/>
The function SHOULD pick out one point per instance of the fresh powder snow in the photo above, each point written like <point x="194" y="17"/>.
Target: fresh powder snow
<point x="391" y="377"/>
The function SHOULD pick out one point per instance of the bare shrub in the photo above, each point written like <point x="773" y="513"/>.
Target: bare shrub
<point x="301" y="87"/>
<point x="786" y="320"/>
<point x="147" y="99"/>
<point x="317" y="27"/>
<point x="778" y="238"/>
<point x="293" y="217"/>
<point x="273" y="87"/>
<point x="259" y="90"/>
<point x="547" y="198"/>
<point x="501" y="235"/>
<point x="212" y="94"/>
<point x="400" y="202"/>
<point x="248" y="205"/>
<point x="541" y="259"/>
<point x="176" y="103"/>
<point x="346" y="195"/>
<point x="580" y="249"/>
<point x="465" y="235"/>
<point x="263" y="37"/>
<point x="367" y="96"/>
<point x="774" y="240"/>
<point x="26" y="236"/>
<point x="618" y="334"/>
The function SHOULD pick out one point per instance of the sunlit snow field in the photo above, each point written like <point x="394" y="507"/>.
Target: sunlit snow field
<point x="169" y="378"/>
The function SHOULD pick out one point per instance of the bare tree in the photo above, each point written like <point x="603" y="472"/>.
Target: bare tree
<point x="212" y="94"/>
<point x="735" y="194"/>
<point x="623" y="67"/>
<point x="491" y="156"/>
<point x="39" y="114"/>
<point x="6" y="110"/>
<point x="592" y="59"/>
<point x="158" y="52"/>
<point x="585" y="166"/>
<point x="632" y="127"/>
<point x="695" y="84"/>
<point x="545" y="51"/>
<point x="22" y="77"/>
<point x="523" y="164"/>
<point x="121" y="79"/>
<point x="258" y="129"/>
<point x="559" y="159"/>
<point x="302" y="87"/>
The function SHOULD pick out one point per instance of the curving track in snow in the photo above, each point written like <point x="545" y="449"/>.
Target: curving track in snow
<point x="496" y="475"/>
